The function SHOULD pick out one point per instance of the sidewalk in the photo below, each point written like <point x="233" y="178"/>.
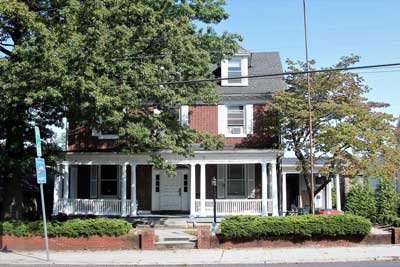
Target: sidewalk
<point x="212" y="256"/>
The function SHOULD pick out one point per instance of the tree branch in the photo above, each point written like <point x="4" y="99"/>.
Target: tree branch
<point x="5" y="51"/>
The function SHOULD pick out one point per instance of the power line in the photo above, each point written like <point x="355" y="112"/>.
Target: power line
<point x="281" y="74"/>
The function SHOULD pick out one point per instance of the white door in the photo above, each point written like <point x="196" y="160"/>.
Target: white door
<point x="171" y="192"/>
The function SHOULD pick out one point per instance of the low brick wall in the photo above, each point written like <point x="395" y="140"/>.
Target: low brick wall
<point x="396" y="235"/>
<point x="206" y="240"/>
<point x="130" y="241"/>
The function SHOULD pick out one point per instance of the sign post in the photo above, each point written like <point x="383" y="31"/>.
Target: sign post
<point x="41" y="179"/>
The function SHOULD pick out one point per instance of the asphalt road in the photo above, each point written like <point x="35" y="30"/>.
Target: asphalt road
<point x="338" y="264"/>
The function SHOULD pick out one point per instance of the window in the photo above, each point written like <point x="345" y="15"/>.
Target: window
<point x="236" y="119"/>
<point x="157" y="183"/>
<point x="109" y="180"/>
<point x="185" y="183"/>
<point x="235" y="70"/>
<point x="236" y="180"/>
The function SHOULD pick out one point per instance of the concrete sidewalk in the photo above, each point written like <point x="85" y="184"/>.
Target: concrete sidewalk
<point x="212" y="256"/>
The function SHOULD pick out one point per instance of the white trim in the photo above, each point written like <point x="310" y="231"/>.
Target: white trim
<point x="249" y="118"/>
<point x="222" y="119"/>
<point x="244" y="65"/>
<point x="184" y="115"/>
<point x="192" y="189"/>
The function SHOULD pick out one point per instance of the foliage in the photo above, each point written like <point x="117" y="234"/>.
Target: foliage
<point x="70" y="228"/>
<point x="361" y="201"/>
<point x="98" y="63"/>
<point x="351" y="135"/>
<point x="386" y="200"/>
<point x="396" y="222"/>
<point x="256" y="227"/>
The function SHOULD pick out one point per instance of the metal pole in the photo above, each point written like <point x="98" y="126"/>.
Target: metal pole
<point x="309" y="109"/>
<point x="214" y="186"/>
<point x="44" y="223"/>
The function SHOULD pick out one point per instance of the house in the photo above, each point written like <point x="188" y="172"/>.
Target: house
<point x="251" y="179"/>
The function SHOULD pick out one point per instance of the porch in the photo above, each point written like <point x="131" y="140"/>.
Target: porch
<point x="124" y="185"/>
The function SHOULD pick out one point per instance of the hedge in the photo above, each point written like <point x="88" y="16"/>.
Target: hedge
<point x="255" y="227"/>
<point x="70" y="228"/>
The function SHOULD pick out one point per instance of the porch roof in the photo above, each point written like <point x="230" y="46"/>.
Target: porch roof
<point x="231" y="156"/>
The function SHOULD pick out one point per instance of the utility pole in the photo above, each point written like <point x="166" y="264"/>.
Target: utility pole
<point x="309" y="109"/>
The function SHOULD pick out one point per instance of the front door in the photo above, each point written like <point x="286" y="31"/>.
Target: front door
<point x="174" y="191"/>
<point x="171" y="192"/>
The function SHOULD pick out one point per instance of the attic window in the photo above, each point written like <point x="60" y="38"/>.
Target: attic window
<point x="233" y="68"/>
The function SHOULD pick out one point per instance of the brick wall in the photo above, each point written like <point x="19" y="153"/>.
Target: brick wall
<point x="130" y="241"/>
<point x="202" y="118"/>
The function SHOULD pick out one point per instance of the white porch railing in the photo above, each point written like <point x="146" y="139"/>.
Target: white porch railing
<point x="91" y="206"/>
<point x="234" y="206"/>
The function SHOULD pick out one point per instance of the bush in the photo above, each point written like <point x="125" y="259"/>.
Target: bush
<point x="361" y="201"/>
<point x="386" y="201"/>
<point x="255" y="227"/>
<point x="70" y="228"/>
<point x="396" y="222"/>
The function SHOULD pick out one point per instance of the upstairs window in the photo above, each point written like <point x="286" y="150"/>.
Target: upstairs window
<point x="235" y="70"/>
<point x="236" y="119"/>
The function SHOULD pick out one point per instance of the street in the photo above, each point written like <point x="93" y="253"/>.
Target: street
<point x="339" y="264"/>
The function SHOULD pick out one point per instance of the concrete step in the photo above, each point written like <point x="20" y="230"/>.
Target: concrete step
<point x="176" y="244"/>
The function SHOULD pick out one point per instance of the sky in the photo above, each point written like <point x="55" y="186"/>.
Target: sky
<point x="336" y="28"/>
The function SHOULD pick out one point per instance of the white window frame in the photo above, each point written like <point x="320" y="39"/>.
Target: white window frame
<point x="101" y="136"/>
<point x="244" y="66"/>
<point x="244" y="128"/>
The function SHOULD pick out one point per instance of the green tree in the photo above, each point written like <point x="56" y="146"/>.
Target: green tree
<point x="361" y="201"/>
<point x="386" y="200"/>
<point x="98" y="64"/>
<point x="351" y="135"/>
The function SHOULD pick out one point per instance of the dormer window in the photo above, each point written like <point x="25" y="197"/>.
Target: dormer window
<point x="233" y="68"/>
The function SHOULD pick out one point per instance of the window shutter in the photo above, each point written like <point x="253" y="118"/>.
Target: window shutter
<point x="93" y="181"/>
<point x="222" y="119"/>
<point x="251" y="184"/>
<point x="184" y="110"/>
<point x="221" y="176"/>
<point x="249" y="119"/>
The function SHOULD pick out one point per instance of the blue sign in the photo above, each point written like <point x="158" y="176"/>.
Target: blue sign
<point x="38" y="143"/>
<point x="40" y="171"/>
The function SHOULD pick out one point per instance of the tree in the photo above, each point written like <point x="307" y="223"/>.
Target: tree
<point x="386" y="200"/>
<point x="361" y="201"/>
<point x="98" y="64"/>
<point x="352" y="137"/>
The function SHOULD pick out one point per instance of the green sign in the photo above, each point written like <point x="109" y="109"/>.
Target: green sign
<point x="38" y="144"/>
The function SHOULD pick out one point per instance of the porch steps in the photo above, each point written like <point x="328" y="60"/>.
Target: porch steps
<point x="174" y="239"/>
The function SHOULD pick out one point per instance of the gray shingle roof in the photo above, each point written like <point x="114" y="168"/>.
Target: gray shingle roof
<point x="259" y="63"/>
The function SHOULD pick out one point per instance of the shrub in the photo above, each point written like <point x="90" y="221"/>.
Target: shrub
<point x="69" y="228"/>
<point x="396" y="222"/>
<point x="255" y="227"/>
<point x="361" y="201"/>
<point x="386" y="200"/>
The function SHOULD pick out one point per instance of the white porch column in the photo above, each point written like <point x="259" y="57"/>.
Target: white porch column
<point x="284" y="200"/>
<point x="66" y="187"/>
<point x="274" y="181"/>
<point x="264" y="189"/>
<point x="133" y="190"/>
<point x="73" y="182"/>
<point x="123" y="189"/>
<point x="328" y="196"/>
<point x="192" y="190"/>
<point x="202" y="189"/>
<point x="338" y="202"/>
<point x="57" y="191"/>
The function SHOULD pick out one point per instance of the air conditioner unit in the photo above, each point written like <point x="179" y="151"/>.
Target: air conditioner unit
<point x="236" y="130"/>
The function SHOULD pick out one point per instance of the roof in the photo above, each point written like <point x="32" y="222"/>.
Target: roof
<point x="259" y="63"/>
<point x="294" y="161"/>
